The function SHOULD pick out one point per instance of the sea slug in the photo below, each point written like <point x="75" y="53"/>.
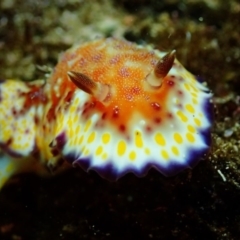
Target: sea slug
<point x="109" y="105"/>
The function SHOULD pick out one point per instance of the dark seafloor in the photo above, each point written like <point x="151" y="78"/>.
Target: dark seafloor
<point x="203" y="203"/>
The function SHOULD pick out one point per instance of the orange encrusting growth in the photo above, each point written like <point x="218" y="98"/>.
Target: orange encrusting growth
<point x="124" y="68"/>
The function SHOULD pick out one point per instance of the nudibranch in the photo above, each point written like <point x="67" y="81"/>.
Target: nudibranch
<point x="109" y="105"/>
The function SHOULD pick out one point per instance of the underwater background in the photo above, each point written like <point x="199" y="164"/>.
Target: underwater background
<point x="195" y="204"/>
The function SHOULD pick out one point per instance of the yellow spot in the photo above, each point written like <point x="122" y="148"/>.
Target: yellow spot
<point x="197" y="121"/>
<point x="187" y="86"/>
<point x="69" y="122"/>
<point x="87" y="126"/>
<point x="194" y="95"/>
<point x="24" y="122"/>
<point x="178" y="138"/>
<point x="16" y="146"/>
<point x="26" y="145"/>
<point x="147" y="151"/>
<point x="76" y="101"/>
<point x="190" y="137"/>
<point x="61" y="117"/>
<point x="160" y="139"/>
<point x="165" y="154"/>
<point x="194" y="100"/>
<point x="121" y="148"/>
<point x="182" y="116"/>
<point x="75" y="119"/>
<point x="80" y="139"/>
<point x="191" y="129"/>
<point x="138" y="139"/>
<point x="86" y="152"/>
<point x="106" y="138"/>
<point x="71" y="133"/>
<point x="175" y="150"/>
<point x="99" y="150"/>
<point x="6" y="135"/>
<point x="104" y="156"/>
<point x="72" y="109"/>
<point x="132" y="155"/>
<point x="190" y="108"/>
<point x="91" y="137"/>
<point x="78" y="129"/>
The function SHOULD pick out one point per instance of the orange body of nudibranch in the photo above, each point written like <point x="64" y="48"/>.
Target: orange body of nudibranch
<point x="114" y="107"/>
<point x="124" y="68"/>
